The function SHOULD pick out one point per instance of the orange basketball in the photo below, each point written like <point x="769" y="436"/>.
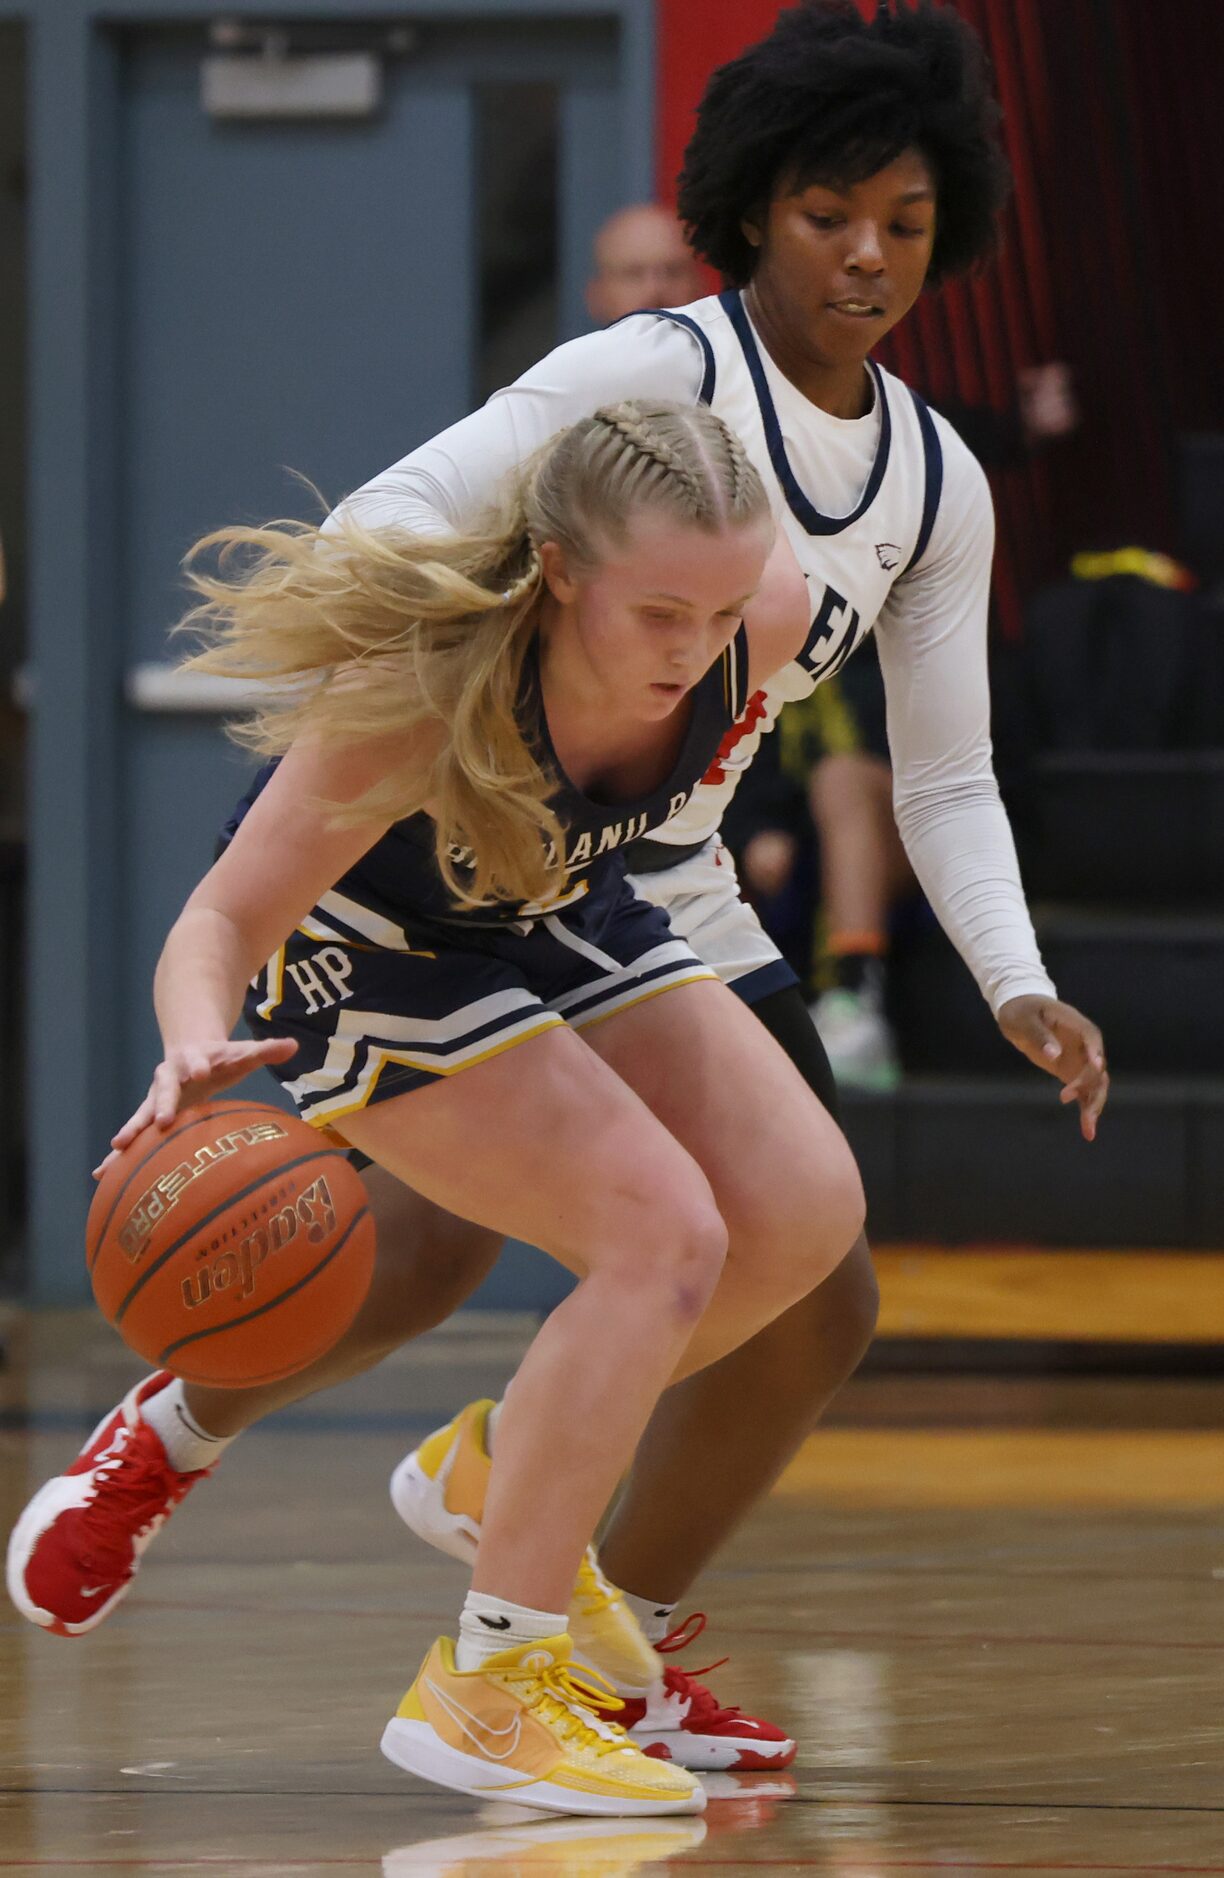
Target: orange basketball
<point x="234" y="1247"/>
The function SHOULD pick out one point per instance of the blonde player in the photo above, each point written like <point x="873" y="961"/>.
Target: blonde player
<point x="492" y="719"/>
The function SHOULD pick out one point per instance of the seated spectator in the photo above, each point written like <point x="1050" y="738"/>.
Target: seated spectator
<point x="1044" y="409"/>
<point x="640" y="259"/>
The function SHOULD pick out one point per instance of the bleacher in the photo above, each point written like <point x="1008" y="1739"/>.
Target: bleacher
<point x="1124" y="858"/>
<point x="1122" y="848"/>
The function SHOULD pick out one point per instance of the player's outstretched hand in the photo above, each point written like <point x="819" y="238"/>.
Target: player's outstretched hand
<point x="1066" y="1044"/>
<point x="193" y="1073"/>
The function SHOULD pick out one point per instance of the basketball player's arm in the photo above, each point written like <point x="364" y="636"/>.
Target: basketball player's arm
<point x="287" y="851"/>
<point x="932" y="639"/>
<point x="449" y="483"/>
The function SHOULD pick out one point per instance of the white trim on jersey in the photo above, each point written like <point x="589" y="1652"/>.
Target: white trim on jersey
<point x="440" y="1045"/>
<point x="838" y="547"/>
<point x="365" y="923"/>
<point x="609" y="1003"/>
<point x="274" y="984"/>
<point x="674" y="952"/>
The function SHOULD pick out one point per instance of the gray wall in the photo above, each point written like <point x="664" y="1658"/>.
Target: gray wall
<point x="211" y="304"/>
<point x="13" y="198"/>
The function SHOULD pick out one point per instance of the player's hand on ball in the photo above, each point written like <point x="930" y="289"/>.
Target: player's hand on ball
<point x="1065" y="1043"/>
<point x="192" y="1073"/>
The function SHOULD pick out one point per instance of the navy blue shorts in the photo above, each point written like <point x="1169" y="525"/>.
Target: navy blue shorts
<point x="376" y="1010"/>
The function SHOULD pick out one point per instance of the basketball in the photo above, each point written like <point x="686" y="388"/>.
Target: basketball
<point x="233" y="1248"/>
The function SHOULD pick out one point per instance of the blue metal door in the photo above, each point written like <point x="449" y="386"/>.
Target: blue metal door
<point x="311" y="298"/>
<point x="223" y="303"/>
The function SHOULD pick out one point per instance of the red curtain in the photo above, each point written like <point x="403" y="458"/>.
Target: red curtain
<point x="1135" y="229"/>
<point x="695" y="36"/>
<point x="969" y="341"/>
<point x="1110" y="257"/>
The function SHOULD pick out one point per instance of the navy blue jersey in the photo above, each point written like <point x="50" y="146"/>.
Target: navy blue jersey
<point x="399" y="875"/>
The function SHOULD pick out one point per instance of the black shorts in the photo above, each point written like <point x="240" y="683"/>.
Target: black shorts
<point x="376" y="1010"/>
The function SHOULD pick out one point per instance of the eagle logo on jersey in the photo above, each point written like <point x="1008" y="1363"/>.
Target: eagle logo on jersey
<point x="888" y="554"/>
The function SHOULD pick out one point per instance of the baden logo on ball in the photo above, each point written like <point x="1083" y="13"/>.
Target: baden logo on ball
<point x="313" y="1210"/>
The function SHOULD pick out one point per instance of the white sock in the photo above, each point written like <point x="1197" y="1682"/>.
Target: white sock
<point x="489" y="1625"/>
<point x="188" y="1446"/>
<point x="655" y="1619"/>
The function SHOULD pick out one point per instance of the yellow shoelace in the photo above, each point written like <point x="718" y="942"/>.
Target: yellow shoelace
<point x="596" y="1594"/>
<point x="560" y="1697"/>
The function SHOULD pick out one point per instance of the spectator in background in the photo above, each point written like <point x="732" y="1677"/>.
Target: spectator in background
<point x="641" y="259"/>
<point x="1043" y="410"/>
<point x="1047" y="402"/>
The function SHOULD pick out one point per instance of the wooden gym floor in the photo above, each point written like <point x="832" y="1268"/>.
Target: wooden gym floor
<point x="993" y="1612"/>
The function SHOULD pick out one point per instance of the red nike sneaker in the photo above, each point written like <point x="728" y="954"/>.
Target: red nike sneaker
<point x="683" y="1721"/>
<point x="76" y="1548"/>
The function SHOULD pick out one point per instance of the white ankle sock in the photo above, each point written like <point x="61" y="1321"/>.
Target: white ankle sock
<point x="188" y="1446"/>
<point x="488" y="1625"/>
<point x="654" y="1619"/>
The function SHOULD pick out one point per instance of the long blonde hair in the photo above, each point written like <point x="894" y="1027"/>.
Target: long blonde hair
<point x="431" y="632"/>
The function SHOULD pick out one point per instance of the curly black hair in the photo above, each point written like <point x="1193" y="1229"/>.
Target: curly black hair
<point x="830" y="97"/>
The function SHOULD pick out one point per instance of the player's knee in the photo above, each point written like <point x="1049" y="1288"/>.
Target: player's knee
<point x="428" y="1263"/>
<point x="858" y="1302"/>
<point x="696" y="1256"/>
<point x="843" y="1210"/>
<point x="803" y="1239"/>
<point x="838" y="1317"/>
<point x="398" y="1307"/>
<point x="673" y="1255"/>
<point x="419" y="1299"/>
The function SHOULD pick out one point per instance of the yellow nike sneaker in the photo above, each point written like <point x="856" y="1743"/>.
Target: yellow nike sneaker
<point x="607" y="1636"/>
<point x="521" y="1728"/>
<point x="439" y="1491"/>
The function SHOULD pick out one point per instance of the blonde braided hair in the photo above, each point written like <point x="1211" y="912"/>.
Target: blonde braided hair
<point x="431" y="633"/>
<point x="652" y="447"/>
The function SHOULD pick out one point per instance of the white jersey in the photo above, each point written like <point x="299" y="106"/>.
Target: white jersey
<point x="890" y="517"/>
<point x="851" y="560"/>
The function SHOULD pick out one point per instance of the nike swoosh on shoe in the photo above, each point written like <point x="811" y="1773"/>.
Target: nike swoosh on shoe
<point x="469" y="1724"/>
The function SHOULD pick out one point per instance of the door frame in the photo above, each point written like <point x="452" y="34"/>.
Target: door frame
<point x="74" y="925"/>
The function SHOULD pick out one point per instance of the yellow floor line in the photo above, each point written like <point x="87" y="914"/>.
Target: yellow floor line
<point x="1142" y="1297"/>
<point x="952" y="1467"/>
